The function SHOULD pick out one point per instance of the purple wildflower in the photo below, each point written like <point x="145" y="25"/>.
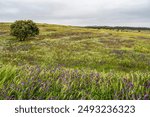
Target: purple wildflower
<point x="22" y="83"/>
<point x="130" y="85"/>
<point x="146" y="97"/>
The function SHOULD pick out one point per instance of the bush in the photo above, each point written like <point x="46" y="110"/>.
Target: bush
<point x="23" y="29"/>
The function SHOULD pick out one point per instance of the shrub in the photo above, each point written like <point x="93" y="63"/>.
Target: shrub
<point x="23" y="29"/>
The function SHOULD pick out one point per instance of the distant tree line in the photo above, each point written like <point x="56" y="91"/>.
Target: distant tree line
<point x="118" y="28"/>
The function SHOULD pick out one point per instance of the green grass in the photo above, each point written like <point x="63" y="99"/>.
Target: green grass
<point x="66" y="62"/>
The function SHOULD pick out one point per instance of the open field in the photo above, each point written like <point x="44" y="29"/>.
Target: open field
<point x="66" y="62"/>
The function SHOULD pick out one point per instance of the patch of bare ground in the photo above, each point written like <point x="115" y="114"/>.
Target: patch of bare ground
<point x="2" y="33"/>
<point x="117" y="42"/>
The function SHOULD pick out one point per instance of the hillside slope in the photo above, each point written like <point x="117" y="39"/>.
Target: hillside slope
<point x="66" y="62"/>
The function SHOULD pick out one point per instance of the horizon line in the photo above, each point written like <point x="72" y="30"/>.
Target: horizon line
<point x="111" y="26"/>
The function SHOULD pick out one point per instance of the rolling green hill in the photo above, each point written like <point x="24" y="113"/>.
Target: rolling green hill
<point x="67" y="62"/>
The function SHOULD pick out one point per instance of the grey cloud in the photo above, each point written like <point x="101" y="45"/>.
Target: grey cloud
<point x="78" y="12"/>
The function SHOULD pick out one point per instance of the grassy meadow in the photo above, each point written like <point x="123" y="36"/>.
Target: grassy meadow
<point x="67" y="62"/>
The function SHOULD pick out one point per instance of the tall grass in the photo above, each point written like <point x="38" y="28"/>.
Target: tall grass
<point x="26" y="82"/>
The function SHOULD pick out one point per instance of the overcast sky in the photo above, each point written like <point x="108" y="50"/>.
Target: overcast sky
<point x="78" y="12"/>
